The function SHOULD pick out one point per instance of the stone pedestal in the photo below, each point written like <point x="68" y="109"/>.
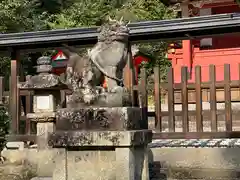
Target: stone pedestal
<point x="45" y="125"/>
<point x="100" y="143"/>
<point x="101" y="155"/>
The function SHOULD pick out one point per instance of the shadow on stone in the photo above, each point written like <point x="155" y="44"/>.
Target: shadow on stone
<point x="158" y="172"/>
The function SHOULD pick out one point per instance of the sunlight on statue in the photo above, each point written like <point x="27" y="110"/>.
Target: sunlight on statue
<point x="103" y="64"/>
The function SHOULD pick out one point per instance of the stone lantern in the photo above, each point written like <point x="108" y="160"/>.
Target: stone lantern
<point x="47" y="98"/>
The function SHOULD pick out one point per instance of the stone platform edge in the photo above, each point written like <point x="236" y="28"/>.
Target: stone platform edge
<point x="100" y="138"/>
<point x="195" y="143"/>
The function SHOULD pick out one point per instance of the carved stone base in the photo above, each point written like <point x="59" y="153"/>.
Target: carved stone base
<point x="101" y="118"/>
<point x="99" y="138"/>
<point x="121" y="98"/>
<point x="96" y="155"/>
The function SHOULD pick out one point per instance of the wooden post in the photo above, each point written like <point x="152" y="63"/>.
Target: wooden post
<point x="213" y="97"/>
<point x="157" y="99"/>
<point x="129" y="78"/>
<point x="144" y="97"/>
<point x="184" y="82"/>
<point x="2" y="88"/>
<point x="227" y="92"/>
<point x="171" y="118"/>
<point x="14" y="92"/>
<point x="29" y="107"/>
<point x="199" y="118"/>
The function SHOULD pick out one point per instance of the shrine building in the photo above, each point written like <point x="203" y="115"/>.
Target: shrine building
<point x="203" y="52"/>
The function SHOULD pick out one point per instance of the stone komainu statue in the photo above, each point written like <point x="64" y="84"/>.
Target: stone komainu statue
<point x="105" y="61"/>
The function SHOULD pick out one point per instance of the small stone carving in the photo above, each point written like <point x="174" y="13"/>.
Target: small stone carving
<point x="105" y="61"/>
<point x="99" y="118"/>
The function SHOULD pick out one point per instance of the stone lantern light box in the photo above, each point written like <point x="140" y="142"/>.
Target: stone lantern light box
<point x="44" y="103"/>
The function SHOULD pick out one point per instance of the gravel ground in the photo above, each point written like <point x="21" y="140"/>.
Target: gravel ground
<point x="196" y="143"/>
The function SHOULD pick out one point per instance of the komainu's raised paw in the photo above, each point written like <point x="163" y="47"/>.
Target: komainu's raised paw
<point x="117" y="89"/>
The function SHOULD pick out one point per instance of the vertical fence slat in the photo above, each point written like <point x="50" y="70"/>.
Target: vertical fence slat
<point x="13" y="96"/>
<point x="157" y="98"/>
<point x="144" y="97"/>
<point x="199" y="119"/>
<point x="227" y="93"/>
<point x="213" y="99"/>
<point x="129" y="76"/>
<point x="171" y="117"/>
<point x="29" y="106"/>
<point x="132" y="78"/>
<point x="184" y="80"/>
<point x="2" y="88"/>
<point x="19" y="109"/>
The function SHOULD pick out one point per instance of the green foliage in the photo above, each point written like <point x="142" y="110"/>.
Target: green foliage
<point x="4" y="125"/>
<point x="19" y="16"/>
<point x="29" y="15"/>
<point x="51" y="6"/>
<point x="94" y="12"/>
<point x="5" y="70"/>
<point x="136" y="10"/>
<point x="32" y="15"/>
<point x="81" y="13"/>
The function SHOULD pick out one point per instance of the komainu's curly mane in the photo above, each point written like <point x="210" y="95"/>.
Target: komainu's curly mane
<point x="113" y="30"/>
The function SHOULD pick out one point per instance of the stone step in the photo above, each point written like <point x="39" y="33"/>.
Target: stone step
<point x="156" y="173"/>
<point x="194" y="163"/>
<point x="42" y="178"/>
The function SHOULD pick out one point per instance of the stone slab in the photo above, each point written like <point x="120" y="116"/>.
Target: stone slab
<point x="195" y="163"/>
<point x="59" y="171"/>
<point x="42" y="178"/>
<point x="95" y="165"/>
<point x="42" y="116"/>
<point x="102" y="118"/>
<point x="43" y="159"/>
<point x="46" y="162"/>
<point x="19" y="156"/>
<point x="99" y="138"/>
<point x="206" y="158"/>
<point x="199" y="159"/>
<point x="120" y="163"/>
<point x="15" y="145"/>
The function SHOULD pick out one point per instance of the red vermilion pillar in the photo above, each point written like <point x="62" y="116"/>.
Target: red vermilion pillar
<point x="187" y="44"/>
<point x="187" y="53"/>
